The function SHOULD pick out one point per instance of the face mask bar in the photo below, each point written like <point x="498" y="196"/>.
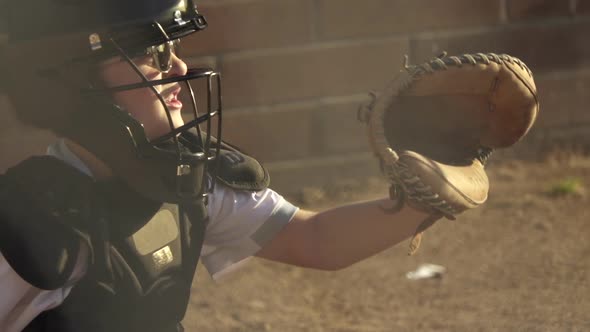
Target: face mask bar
<point x="187" y="163"/>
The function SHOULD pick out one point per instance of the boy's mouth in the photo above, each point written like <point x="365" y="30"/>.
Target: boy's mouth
<point x="172" y="100"/>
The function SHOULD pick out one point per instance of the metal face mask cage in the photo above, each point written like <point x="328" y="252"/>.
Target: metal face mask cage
<point x="191" y="165"/>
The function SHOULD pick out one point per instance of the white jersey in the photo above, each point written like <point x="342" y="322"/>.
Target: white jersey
<point x="241" y="223"/>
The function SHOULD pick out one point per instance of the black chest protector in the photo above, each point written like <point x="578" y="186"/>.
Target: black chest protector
<point x="142" y="254"/>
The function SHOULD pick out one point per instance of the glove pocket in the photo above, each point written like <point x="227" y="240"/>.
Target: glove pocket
<point x="448" y="188"/>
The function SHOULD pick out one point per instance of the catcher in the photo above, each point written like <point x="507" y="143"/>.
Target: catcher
<point x="105" y="231"/>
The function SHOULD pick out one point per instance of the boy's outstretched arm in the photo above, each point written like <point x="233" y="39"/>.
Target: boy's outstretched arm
<point x="341" y="236"/>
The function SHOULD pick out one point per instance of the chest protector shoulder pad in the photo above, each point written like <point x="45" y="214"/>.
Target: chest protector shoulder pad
<point x="37" y="199"/>
<point x="233" y="167"/>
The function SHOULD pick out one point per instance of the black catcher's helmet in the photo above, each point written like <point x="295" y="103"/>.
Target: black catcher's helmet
<point x="50" y="63"/>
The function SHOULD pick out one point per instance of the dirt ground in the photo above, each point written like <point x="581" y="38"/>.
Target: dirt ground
<point x="519" y="263"/>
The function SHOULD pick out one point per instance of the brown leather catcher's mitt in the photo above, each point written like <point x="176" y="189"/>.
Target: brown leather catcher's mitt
<point x="436" y="124"/>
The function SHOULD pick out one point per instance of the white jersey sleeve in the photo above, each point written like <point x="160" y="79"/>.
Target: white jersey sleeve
<point x="241" y="223"/>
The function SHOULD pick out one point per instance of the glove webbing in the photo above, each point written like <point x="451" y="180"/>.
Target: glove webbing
<point x="443" y="61"/>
